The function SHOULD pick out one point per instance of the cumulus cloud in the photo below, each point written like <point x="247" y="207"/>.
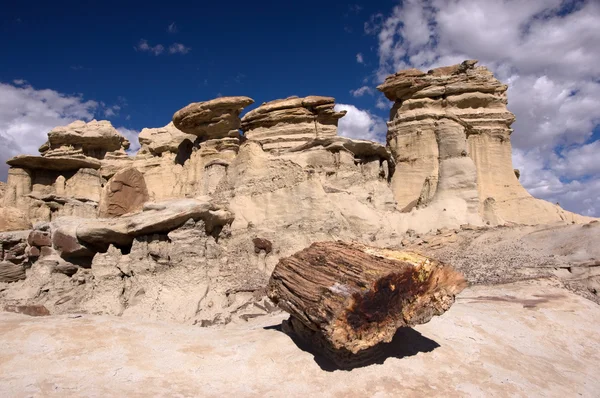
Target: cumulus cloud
<point x="360" y="59"/>
<point x="178" y="48"/>
<point x="28" y="114"/>
<point x="172" y="28"/>
<point x="132" y="136"/>
<point x="359" y="92"/>
<point x="360" y="124"/>
<point x="548" y="51"/>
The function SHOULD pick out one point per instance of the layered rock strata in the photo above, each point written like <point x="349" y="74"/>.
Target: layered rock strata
<point x="286" y="123"/>
<point x="449" y="131"/>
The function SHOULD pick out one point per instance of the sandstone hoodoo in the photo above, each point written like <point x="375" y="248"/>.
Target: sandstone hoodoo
<point x="216" y="118"/>
<point x="449" y="132"/>
<point x="347" y="297"/>
<point x="290" y="122"/>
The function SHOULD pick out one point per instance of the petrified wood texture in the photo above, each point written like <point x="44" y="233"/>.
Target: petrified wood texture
<point x="356" y="296"/>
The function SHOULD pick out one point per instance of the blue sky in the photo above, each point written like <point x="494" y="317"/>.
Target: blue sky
<point x="264" y="50"/>
<point x="138" y="63"/>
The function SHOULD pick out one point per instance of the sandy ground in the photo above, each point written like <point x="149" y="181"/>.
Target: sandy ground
<point x="525" y="339"/>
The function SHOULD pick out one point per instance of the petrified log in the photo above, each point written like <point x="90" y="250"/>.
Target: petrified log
<point x="350" y="297"/>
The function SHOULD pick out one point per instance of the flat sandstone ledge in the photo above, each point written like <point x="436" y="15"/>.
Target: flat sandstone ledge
<point x="523" y="339"/>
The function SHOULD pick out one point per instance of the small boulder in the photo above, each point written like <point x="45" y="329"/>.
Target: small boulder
<point x="125" y="192"/>
<point x="39" y="239"/>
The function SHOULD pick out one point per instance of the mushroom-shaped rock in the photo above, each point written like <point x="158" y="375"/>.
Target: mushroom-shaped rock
<point x="217" y="118"/>
<point x="287" y="123"/>
<point x="163" y="139"/>
<point x="58" y="163"/>
<point x="94" y="138"/>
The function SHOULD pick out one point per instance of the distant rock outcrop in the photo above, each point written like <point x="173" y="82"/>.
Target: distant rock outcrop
<point x="66" y="180"/>
<point x="290" y="122"/>
<point x="451" y="125"/>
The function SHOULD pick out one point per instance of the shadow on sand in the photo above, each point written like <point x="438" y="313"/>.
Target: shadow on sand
<point x="406" y="343"/>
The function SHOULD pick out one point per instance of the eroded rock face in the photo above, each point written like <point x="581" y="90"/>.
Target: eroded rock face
<point x="165" y="139"/>
<point x="290" y="122"/>
<point x="124" y="193"/>
<point x="13" y="219"/>
<point x="218" y="118"/>
<point x="451" y="125"/>
<point x="94" y="139"/>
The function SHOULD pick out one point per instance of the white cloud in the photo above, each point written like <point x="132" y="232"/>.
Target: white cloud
<point x="145" y="47"/>
<point x="110" y="111"/>
<point x="383" y="104"/>
<point x="178" y="48"/>
<point x="132" y="136"/>
<point x="548" y="51"/>
<point x="28" y="114"/>
<point x="172" y="28"/>
<point x="360" y="59"/>
<point x="359" y="92"/>
<point x="360" y="124"/>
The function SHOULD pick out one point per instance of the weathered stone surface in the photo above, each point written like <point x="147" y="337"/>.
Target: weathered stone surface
<point x="59" y="163"/>
<point x="124" y="193"/>
<point x="31" y="310"/>
<point x="10" y="272"/>
<point x="39" y="239"/>
<point x="94" y="138"/>
<point x="451" y="125"/>
<point x="216" y="118"/>
<point x="13" y="245"/>
<point x="12" y="219"/>
<point x="163" y="139"/>
<point x="262" y="244"/>
<point x="356" y="296"/>
<point x="290" y="122"/>
<point x="64" y="241"/>
<point x="159" y="217"/>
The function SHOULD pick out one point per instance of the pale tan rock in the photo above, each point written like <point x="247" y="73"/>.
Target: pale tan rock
<point x="13" y="219"/>
<point x="124" y="193"/>
<point x="217" y="118"/>
<point x="59" y="163"/>
<point x="164" y="139"/>
<point x="473" y="101"/>
<point x="290" y="122"/>
<point x="93" y="138"/>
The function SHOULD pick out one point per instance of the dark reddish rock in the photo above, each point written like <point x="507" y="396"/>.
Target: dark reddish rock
<point x="46" y="251"/>
<point x="68" y="246"/>
<point x="126" y="192"/>
<point x="262" y="244"/>
<point x="39" y="239"/>
<point x="33" y="251"/>
<point x="31" y="310"/>
<point x="10" y="272"/>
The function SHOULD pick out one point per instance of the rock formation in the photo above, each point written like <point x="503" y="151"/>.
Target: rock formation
<point x="290" y="122"/>
<point x="191" y="227"/>
<point x="66" y="180"/>
<point x="449" y="131"/>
